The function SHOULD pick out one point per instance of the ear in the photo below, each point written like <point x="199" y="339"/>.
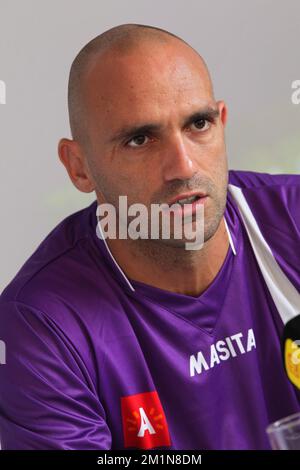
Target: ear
<point x="74" y="160"/>
<point x="223" y="111"/>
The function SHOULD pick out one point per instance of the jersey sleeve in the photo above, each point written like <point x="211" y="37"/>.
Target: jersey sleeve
<point x="47" y="399"/>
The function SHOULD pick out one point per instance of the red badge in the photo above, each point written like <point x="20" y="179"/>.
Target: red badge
<point x="144" y="422"/>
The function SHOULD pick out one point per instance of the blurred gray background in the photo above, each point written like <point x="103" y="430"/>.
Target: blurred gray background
<point x="252" y="49"/>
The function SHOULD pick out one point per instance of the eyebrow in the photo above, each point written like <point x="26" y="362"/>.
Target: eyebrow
<point x="207" y="113"/>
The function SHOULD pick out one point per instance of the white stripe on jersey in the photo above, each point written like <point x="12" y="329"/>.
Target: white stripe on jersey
<point x="285" y="295"/>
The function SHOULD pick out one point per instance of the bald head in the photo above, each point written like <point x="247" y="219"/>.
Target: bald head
<point x="117" y="42"/>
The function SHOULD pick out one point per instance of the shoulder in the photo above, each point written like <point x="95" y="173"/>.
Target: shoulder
<point x="65" y="278"/>
<point x="51" y="259"/>
<point x="252" y="179"/>
<point x="274" y="201"/>
<point x="271" y="197"/>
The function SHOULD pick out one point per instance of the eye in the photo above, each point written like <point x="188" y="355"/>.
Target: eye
<point x="138" y="139"/>
<point x="202" y="124"/>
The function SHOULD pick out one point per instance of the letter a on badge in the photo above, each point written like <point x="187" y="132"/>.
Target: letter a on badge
<point x="144" y="422"/>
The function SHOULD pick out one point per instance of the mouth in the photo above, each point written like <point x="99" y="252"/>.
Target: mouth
<point x="187" y="198"/>
<point x="186" y="204"/>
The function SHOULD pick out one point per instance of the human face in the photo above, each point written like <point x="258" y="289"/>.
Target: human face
<point x="155" y="130"/>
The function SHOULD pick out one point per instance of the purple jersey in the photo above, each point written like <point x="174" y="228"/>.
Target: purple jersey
<point x="95" y="360"/>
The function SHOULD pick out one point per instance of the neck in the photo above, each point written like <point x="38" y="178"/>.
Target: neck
<point x="166" y="267"/>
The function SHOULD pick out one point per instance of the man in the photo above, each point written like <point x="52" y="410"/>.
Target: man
<point x="140" y="343"/>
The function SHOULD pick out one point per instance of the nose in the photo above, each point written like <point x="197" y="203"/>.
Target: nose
<point x="177" y="163"/>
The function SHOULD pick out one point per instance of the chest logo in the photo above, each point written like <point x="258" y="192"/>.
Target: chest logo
<point x="222" y="350"/>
